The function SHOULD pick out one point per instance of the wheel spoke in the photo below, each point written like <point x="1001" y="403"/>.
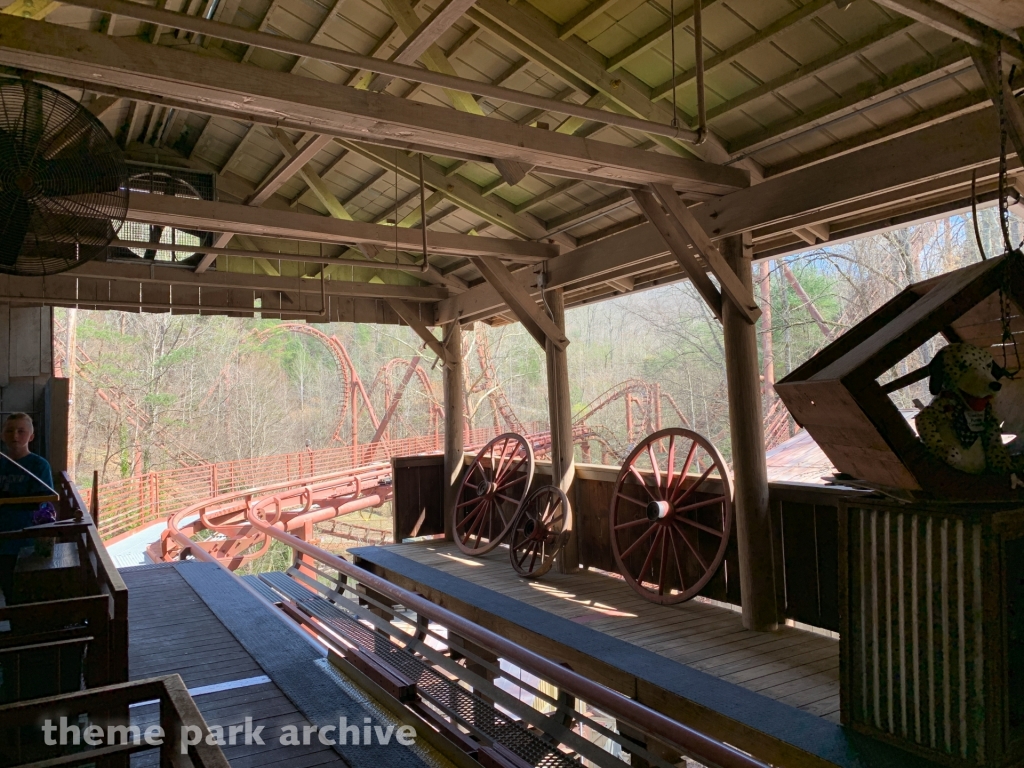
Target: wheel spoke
<point x="510" y="483"/>
<point x="643" y="483"/>
<point x="693" y="488"/>
<point x="510" y="468"/>
<point x="686" y="468"/>
<point x="509" y="498"/>
<point x="671" y="464"/>
<point x="664" y="562"/>
<point x="679" y="562"/>
<point x="632" y="523"/>
<point x="699" y="526"/>
<point x="467" y="503"/>
<point x="700" y="504"/>
<point x="630" y="498"/>
<point x="643" y="536"/>
<point x="470" y="515"/>
<point x="536" y="551"/>
<point x="479" y="521"/>
<point x="686" y="541"/>
<point x="654" y="466"/>
<point x="650" y="557"/>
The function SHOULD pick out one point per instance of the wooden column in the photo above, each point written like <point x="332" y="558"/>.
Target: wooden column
<point x="454" y="438"/>
<point x="750" y="473"/>
<point x="563" y="467"/>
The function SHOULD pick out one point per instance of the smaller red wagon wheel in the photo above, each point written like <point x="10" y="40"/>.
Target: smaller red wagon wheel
<point x="669" y="525"/>
<point x="491" y="492"/>
<point x="540" y="531"/>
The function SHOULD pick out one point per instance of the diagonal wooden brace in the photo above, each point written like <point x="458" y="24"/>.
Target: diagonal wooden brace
<point x="682" y="248"/>
<point x="533" y="318"/>
<point x="411" y="318"/>
<point x="741" y="296"/>
<point x="986" y="62"/>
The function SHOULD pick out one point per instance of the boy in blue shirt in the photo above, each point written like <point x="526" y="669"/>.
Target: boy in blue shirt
<point x="17" y="433"/>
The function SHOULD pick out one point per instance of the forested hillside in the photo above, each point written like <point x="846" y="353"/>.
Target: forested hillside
<point x="154" y="391"/>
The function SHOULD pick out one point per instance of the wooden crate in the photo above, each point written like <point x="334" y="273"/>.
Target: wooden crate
<point x="932" y="628"/>
<point x="837" y="397"/>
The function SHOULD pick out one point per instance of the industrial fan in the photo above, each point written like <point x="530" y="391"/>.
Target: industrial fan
<point x="63" y="190"/>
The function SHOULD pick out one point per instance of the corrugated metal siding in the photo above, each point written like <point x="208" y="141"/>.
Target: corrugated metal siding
<point x="916" y="630"/>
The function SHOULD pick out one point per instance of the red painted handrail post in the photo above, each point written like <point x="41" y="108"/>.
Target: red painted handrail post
<point x="154" y="499"/>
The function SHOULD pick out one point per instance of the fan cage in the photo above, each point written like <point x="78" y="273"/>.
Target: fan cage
<point x="153" y="179"/>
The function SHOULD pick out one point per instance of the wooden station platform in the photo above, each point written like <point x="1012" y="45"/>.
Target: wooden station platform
<point x="796" y="667"/>
<point x="240" y="658"/>
<point x="773" y="694"/>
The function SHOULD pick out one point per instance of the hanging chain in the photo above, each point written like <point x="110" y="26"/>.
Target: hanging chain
<point x="1005" y="305"/>
<point x="1004" y="213"/>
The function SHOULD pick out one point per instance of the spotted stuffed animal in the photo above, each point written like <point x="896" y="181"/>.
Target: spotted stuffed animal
<point x="959" y="426"/>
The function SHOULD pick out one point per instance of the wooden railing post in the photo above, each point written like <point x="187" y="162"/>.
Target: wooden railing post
<point x="454" y="435"/>
<point x="563" y="466"/>
<point x="750" y="471"/>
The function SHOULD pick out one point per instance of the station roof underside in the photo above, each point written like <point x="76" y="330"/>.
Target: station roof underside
<point x="827" y="120"/>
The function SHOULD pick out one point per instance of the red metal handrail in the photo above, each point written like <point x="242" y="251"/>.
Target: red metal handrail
<point x="702" y="747"/>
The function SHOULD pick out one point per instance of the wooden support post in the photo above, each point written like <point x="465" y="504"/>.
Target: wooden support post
<point x="563" y="468"/>
<point x="454" y="440"/>
<point x="750" y="472"/>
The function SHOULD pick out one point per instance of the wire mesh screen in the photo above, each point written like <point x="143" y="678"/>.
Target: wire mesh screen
<point x="146" y="178"/>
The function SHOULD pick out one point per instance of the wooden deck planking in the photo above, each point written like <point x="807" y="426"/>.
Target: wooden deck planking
<point x="798" y="667"/>
<point x="170" y="629"/>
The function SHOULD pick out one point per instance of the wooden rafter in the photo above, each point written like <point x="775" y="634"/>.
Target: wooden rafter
<point x="204" y="83"/>
<point x="185" y="213"/>
<point x="680" y="245"/>
<point x="741" y="296"/>
<point x="411" y="318"/>
<point x="956" y="24"/>
<point x="518" y="299"/>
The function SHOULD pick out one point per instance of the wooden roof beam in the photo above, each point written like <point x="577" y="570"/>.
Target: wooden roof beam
<point x="955" y="24"/>
<point x="411" y="318"/>
<point x="997" y="84"/>
<point x="584" y="17"/>
<point x="840" y="54"/>
<point x="518" y="299"/>
<point x="740" y="296"/>
<point x="898" y="84"/>
<point x="653" y="37"/>
<point x="906" y="167"/>
<point x="424" y="36"/>
<point x="459" y="190"/>
<point x="722" y="58"/>
<point x="301" y="103"/>
<point x="185" y="213"/>
<point x="536" y="37"/>
<point x="680" y="245"/>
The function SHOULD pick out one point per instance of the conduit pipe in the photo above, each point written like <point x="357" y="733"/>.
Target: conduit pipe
<point x="348" y="60"/>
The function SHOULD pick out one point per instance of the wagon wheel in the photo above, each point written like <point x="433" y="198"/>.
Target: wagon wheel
<point x="540" y="531"/>
<point x="669" y="529"/>
<point x="491" y="493"/>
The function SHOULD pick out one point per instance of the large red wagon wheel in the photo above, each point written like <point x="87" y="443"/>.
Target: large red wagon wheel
<point x="540" y="531"/>
<point x="671" y="515"/>
<point x="491" y="493"/>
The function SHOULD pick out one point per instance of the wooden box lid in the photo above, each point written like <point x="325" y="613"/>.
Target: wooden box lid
<point x="838" y="398"/>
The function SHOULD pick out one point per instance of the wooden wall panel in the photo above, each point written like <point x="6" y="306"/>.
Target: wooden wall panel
<point x="24" y="343"/>
<point x="418" y="505"/>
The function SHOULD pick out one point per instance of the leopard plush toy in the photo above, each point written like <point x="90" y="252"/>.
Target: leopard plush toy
<point x="959" y="425"/>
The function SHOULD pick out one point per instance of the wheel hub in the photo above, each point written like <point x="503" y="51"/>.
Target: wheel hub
<point x="25" y="183"/>
<point x="486" y="487"/>
<point x="658" y="510"/>
<point x="534" y="530"/>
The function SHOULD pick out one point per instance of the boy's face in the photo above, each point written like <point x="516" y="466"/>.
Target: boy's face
<point x="17" y="434"/>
